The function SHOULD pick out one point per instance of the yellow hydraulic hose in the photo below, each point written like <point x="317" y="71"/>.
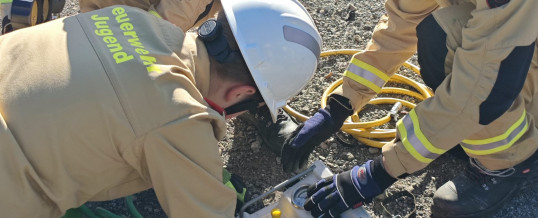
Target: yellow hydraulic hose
<point x="366" y="132"/>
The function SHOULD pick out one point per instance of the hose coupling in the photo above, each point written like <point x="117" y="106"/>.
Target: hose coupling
<point x="394" y="110"/>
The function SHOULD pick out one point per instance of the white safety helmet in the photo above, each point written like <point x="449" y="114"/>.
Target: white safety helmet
<point x="280" y="45"/>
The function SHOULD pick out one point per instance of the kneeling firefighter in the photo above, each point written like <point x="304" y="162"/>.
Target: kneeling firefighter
<point x="123" y="101"/>
<point x="481" y="59"/>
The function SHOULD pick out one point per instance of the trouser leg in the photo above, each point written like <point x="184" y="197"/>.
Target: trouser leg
<point x="435" y="49"/>
<point x="501" y="150"/>
<point x="511" y="138"/>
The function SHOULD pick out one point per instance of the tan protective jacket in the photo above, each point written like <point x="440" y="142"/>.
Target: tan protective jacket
<point x="183" y="13"/>
<point x="479" y="38"/>
<point x="103" y="105"/>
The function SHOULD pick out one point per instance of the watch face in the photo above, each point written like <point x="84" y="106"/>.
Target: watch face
<point x="207" y="28"/>
<point x="299" y="197"/>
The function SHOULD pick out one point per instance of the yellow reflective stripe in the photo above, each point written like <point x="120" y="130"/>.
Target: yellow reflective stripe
<point x="498" y="149"/>
<point x="496" y="138"/>
<point x="409" y="147"/>
<point x="154" y="13"/>
<point x="414" y="140"/>
<point x="362" y="81"/>
<point x="370" y="68"/>
<point x="421" y="136"/>
<point x="366" y="75"/>
<point x="495" y="144"/>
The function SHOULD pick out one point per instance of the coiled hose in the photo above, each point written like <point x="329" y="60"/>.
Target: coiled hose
<point x="366" y="132"/>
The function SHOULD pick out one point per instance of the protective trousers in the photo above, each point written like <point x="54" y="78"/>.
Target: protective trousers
<point x="439" y="35"/>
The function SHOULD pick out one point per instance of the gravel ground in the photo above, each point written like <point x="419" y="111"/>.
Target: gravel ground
<point x="343" y="25"/>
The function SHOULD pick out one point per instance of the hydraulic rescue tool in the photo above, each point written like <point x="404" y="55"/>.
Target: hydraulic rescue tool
<point x="293" y="198"/>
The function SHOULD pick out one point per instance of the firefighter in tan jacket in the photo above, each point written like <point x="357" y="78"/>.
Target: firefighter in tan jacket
<point x="118" y="100"/>
<point x="187" y="14"/>
<point x="480" y="58"/>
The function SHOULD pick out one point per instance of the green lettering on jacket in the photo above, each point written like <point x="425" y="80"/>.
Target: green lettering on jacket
<point x="129" y="33"/>
<point x="103" y="30"/>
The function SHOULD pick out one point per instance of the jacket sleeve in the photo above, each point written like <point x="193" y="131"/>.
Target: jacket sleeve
<point x="185" y="169"/>
<point x="90" y="5"/>
<point x="488" y="73"/>
<point x="393" y="42"/>
<point x="188" y="13"/>
<point x="183" y="13"/>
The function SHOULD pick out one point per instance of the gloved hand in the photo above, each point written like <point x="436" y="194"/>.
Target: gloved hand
<point x="331" y="196"/>
<point x="327" y="121"/>
<point x="235" y="182"/>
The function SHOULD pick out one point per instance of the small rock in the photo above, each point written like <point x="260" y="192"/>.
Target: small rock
<point x="331" y="165"/>
<point x="373" y="150"/>
<point x="350" y="156"/>
<point x="351" y="7"/>
<point x="255" y="146"/>
<point x="334" y="145"/>
<point x="322" y="158"/>
<point x="358" y="38"/>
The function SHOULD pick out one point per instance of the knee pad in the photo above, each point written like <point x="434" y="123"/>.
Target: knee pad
<point x="431" y="51"/>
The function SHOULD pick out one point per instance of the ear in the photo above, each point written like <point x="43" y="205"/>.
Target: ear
<point x="239" y="93"/>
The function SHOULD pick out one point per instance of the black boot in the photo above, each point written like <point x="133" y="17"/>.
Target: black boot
<point x="273" y="134"/>
<point x="478" y="192"/>
<point x="6" y="26"/>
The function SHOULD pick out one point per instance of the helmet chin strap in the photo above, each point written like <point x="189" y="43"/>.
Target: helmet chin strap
<point x="247" y="105"/>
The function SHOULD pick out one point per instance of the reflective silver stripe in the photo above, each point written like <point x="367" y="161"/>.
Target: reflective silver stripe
<point x="415" y="141"/>
<point x="515" y="133"/>
<point x="359" y="71"/>
<point x="300" y="37"/>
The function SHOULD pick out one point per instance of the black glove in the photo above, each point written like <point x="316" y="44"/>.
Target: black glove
<point x="298" y="146"/>
<point x="330" y="197"/>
